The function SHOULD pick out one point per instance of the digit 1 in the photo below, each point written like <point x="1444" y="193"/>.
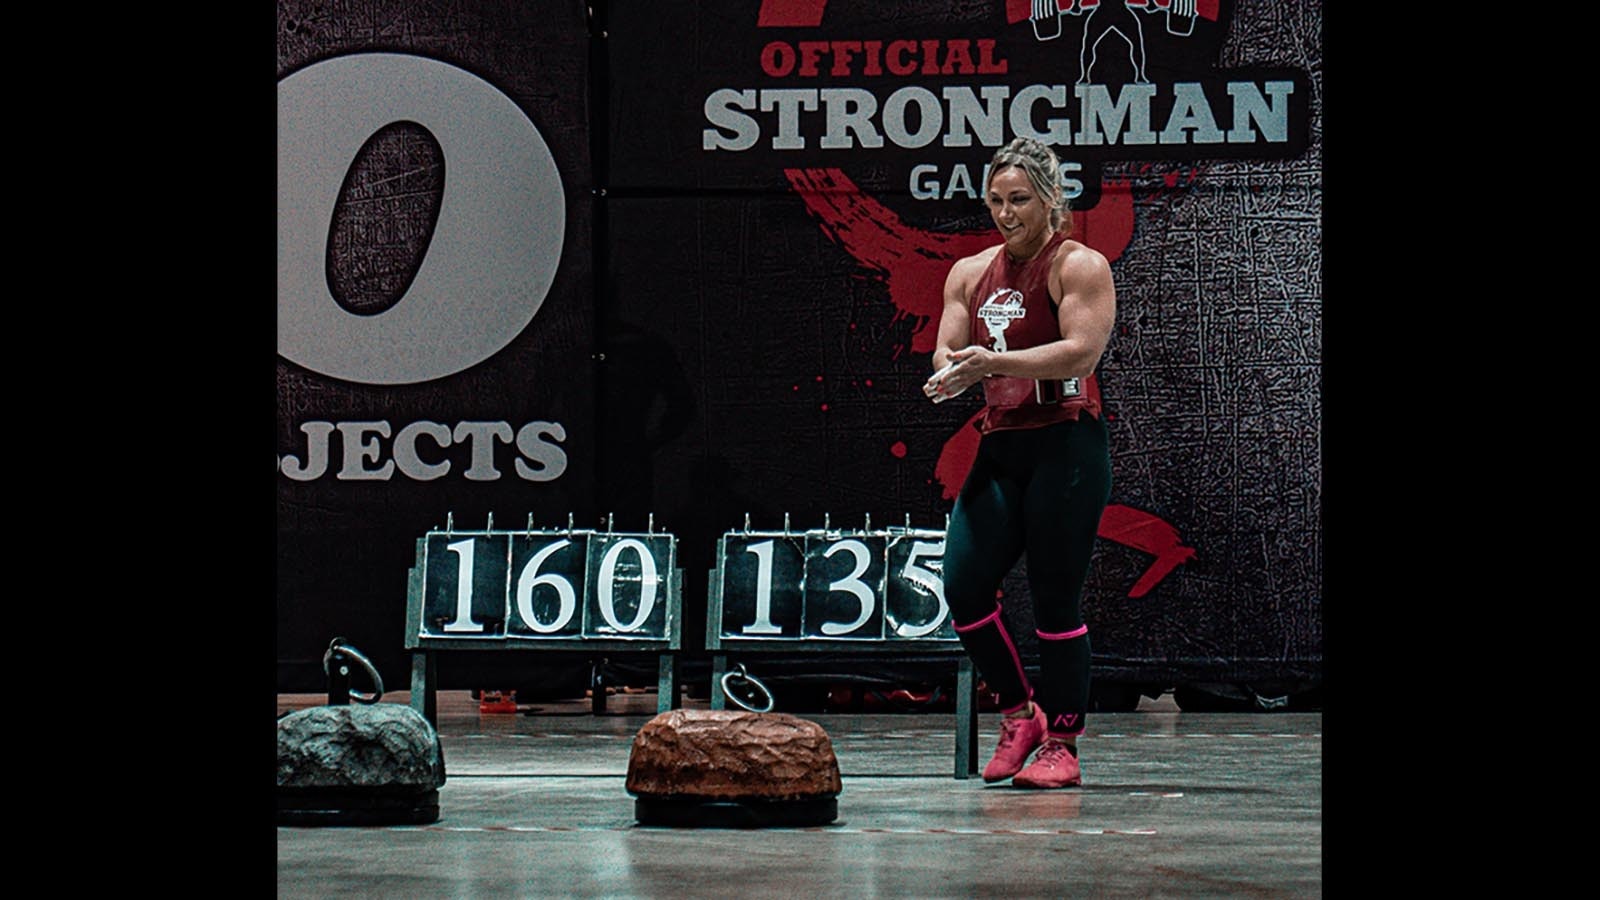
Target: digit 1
<point x="763" y="623"/>
<point x="463" y="620"/>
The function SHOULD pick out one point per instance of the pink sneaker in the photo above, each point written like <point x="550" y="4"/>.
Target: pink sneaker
<point x="1018" y="737"/>
<point x="1056" y="766"/>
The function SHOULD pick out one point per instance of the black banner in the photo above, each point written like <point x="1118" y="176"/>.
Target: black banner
<point x="758" y="204"/>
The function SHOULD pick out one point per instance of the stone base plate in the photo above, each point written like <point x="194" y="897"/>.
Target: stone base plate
<point x="694" y="812"/>
<point x="314" y="807"/>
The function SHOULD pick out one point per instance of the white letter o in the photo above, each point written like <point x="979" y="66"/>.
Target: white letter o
<point x="495" y="247"/>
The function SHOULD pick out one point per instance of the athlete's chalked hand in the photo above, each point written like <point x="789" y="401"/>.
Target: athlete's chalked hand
<point x="935" y="387"/>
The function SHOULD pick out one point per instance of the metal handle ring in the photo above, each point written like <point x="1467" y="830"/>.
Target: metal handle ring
<point x="746" y="677"/>
<point x="344" y="649"/>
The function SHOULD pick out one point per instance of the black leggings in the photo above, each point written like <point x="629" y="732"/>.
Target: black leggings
<point x="1039" y="490"/>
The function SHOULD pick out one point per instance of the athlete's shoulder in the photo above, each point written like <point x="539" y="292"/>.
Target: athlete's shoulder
<point x="974" y="265"/>
<point x="1080" y="270"/>
<point x="1077" y="253"/>
<point x="982" y="257"/>
<point x="1075" y="260"/>
<point x="966" y="272"/>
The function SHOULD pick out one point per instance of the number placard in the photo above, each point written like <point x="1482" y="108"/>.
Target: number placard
<point x="547" y="580"/>
<point x="844" y="587"/>
<point x="818" y="586"/>
<point x="630" y="578"/>
<point x="521" y="588"/>
<point x="914" y="605"/>
<point x="465" y="585"/>
<point x="763" y="578"/>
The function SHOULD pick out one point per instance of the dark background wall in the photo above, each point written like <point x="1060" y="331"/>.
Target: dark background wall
<point x="735" y="332"/>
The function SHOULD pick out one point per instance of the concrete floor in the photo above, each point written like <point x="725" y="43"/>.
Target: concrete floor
<point x="1173" y="804"/>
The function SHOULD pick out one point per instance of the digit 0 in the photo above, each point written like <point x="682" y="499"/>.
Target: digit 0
<point x="647" y="584"/>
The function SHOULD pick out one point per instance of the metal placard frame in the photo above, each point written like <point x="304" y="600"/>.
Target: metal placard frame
<point x="424" y="647"/>
<point x="720" y="645"/>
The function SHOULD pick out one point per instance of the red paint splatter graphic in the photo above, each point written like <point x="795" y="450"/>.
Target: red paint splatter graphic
<point x="898" y="449"/>
<point x="1143" y="531"/>
<point x="913" y="262"/>
<point x="955" y="460"/>
<point x="790" y="13"/>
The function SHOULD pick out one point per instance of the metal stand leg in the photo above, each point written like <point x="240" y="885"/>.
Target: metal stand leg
<point x="966" y="720"/>
<point x="667" y="683"/>
<point x="424" y="699"/>
<point x="719" y="668"/>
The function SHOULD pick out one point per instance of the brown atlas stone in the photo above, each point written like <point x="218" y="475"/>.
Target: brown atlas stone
<point x="716" y="754"/>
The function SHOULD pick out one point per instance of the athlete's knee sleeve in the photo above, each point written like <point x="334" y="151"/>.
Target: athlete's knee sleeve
<point x="995" y="657"/>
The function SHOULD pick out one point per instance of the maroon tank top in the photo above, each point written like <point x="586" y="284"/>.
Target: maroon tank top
<point x="1012" y="310"/>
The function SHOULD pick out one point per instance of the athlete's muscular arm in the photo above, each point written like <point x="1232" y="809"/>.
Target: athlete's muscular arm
<point x="955" y="321"/>
<point x="1080" y="281"/>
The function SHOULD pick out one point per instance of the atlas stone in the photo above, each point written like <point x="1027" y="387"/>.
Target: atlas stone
<point x="732" y="755"/>
<point x="382" y="746"/>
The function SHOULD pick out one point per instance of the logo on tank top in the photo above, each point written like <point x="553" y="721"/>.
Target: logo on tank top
<point x="997" y="312"/>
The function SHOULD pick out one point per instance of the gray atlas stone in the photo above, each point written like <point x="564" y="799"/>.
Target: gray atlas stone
<point x="724" y="768"/>
<point x="358" y="764"/>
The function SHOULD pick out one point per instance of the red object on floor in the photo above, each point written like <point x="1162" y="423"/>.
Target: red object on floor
<point x="496" y="702"/>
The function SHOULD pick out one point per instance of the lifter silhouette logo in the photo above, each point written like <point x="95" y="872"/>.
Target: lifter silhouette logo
<point x="1116" y="20"/>
<point x="1108" y="44"/>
